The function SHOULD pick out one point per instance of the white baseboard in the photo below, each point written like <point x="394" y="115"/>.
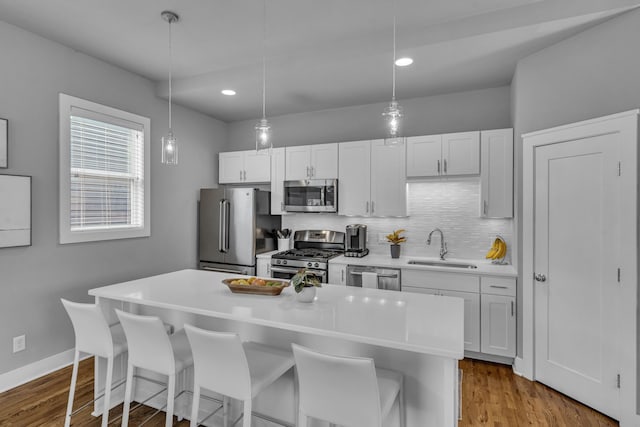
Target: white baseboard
<point x="518" y="364"/>
<point x="34" y="370"/>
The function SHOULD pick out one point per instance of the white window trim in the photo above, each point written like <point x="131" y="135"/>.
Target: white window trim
<point x="66" y="102"/>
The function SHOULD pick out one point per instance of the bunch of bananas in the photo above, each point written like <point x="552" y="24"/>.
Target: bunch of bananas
<point x="498" y="249"/>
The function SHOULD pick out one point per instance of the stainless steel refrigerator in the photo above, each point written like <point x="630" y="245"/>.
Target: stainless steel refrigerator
<point x="234" y="225"/>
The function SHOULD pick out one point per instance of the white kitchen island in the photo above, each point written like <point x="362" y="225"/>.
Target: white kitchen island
<point x="419" y="335"/>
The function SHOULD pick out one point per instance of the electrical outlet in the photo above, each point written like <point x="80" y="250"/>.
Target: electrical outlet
<point x="19" y="343"/>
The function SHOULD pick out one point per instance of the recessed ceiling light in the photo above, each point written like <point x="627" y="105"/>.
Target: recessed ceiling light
<point x="403" y="62"/>
<point x="228" y="92"/>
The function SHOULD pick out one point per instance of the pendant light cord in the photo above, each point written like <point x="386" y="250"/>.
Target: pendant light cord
<point x="393" y="93"/>
<point x="264" y="59"/>
<point x="170" y="69"/>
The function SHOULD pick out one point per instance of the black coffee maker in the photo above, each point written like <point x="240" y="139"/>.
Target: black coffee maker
<point x="356" y="240"/>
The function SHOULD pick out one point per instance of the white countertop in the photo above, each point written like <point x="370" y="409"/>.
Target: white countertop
<point x="484" y="266"/>
<point x="406" y="321"/>
<point x="267" y="254"/>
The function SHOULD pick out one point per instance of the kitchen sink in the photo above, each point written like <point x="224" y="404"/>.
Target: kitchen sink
<point x="441" y="263"/>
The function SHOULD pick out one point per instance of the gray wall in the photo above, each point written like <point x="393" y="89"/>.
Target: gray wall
<point x="456" y="112"/>
<point x="591" y="74"/>
<point x="32" y="279"/>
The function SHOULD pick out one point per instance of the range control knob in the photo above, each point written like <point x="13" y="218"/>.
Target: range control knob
<point x="284" y="262"/>
<point x="316" y="265"/>
<point x="278" y="261"/>
<point x="309" y="264"/>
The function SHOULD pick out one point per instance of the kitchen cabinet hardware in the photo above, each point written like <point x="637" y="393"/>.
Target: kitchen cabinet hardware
<point x="484" y="207"/>
<point x="438" y="167"/>
<point x="540" y="277"/>
<point x="512" y="309"/>
<point x="445" y="165"/>
<point x="373" y="204"/>
<point x="342" y="275"/>
<point x="498" y="287"/>
<point x="367" y="208"/>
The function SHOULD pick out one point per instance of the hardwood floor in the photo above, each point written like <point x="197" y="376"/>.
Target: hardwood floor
<point x="491" y="396"/>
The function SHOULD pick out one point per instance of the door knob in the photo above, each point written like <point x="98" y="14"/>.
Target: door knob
<point x="540" y="277"/>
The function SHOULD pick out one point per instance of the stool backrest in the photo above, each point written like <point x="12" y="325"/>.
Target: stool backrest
<point x="219" y="362"/>
<point x="90" y="327"/>
<point x="341" y="390"/>
<point x="149" y="344"/>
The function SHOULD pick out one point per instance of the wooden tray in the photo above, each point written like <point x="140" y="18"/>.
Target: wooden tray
<point x="256" y="290"/>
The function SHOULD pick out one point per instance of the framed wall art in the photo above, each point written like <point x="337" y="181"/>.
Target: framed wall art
<point x="4" y="142"/>
<point x="15" y="211"/>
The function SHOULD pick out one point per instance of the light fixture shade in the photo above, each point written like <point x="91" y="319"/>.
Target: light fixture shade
<point x="169" y="149"/>
<point x="263" y="135"/>
<point x="393" y="119"/>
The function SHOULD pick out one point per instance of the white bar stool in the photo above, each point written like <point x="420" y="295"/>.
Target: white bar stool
<point x="224" y="364"/>
<point x="93" y="336"/>
<point x="151" y="348"/>
<point x="349" y="391"/>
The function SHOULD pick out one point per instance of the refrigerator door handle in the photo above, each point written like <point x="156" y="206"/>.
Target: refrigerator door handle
<point x="227" y="217"/>
<point x="222" y="227"/>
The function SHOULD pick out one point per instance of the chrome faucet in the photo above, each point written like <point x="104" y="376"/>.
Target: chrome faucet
<point x="443" y="245"/>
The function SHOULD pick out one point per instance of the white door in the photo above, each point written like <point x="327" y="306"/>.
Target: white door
<point x="461" y="153"/>
<point x="257" y="166"/>
<point x="230" y="167"/>
<point x="324" y="161"/>
<point x="354" y="171"/>
<point x="424" y="155"/>
<point x="577" y="296"/>
<point x="388" y="182"/>
<point x="297" y="163"/>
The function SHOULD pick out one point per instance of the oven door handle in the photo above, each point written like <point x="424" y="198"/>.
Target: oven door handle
<point x="385" y="276"/>
<point x="294" y="270"/>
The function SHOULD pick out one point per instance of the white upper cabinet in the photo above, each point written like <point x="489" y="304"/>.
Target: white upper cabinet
<point x="424" y="155"/>
<point x="277" y="181"/>
<point x="371" y="179"/>
<point x="318" y="161"/>
<point x="461" y="153"/>
<point x="354" y="178"/>
<point x="496" y="177"/>
<point x="238" y="167"/>
<point x="448" y="154"/>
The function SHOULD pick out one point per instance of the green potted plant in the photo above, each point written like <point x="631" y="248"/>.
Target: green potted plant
<point x="305" y="283"/>
<point x="395" y="239"/>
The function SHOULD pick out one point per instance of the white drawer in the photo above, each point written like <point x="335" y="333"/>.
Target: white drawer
<point x="439" y="280"/>
<point x="498" y="285"/>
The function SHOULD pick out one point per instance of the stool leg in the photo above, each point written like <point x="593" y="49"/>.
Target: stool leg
<point x="225" y="411"/>
<point x="72" y="389"/>
<point x="127" y="396"/>
<point x="246" y="419"/>
<point x="107" y="392"/>
<point x="195" y="405"/>
<point x="171" y="392"/>
<point x="401" y="403"/>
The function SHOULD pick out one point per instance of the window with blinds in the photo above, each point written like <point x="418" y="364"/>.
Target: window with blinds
<point x="104" y="153"/>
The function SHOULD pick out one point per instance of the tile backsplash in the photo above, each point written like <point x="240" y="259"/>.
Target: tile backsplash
<point x="453" y="205"/>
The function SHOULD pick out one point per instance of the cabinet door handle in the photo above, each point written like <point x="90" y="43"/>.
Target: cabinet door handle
<point x="367" y="208"/>
<point x="373" y="206"/>
<point x="445" y="165"/>
<point x="341" y="276"/>
<point x="484" y="207"/>
<point x="313" y="171"/>
<point x="245" y="175"/>
<point x="512" y="309"/>
<point x="308" y="172"/>
<point x="438" y="167"/>
<point x="498" y="287"/>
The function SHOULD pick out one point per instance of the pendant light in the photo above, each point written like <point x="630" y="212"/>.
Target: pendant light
<point x="263" y="128"/>
<point x="169" y="142"/>
<point x="393" y="113"/>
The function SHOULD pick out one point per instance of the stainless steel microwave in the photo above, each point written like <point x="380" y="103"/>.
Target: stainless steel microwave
<point x="311" y="195"/>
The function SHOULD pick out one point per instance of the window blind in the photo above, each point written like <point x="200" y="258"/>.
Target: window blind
<point x="107" y="172"/>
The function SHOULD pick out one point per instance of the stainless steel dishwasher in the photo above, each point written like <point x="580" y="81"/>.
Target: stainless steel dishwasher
<point x="388" y="278"/>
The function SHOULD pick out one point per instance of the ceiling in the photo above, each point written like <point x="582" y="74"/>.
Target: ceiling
<point x="320" y="54"/>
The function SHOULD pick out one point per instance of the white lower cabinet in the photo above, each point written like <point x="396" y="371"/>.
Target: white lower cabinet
<point x="337" y="274"/>
<point x="263" y="267"/>
<point x="489" y="306"/>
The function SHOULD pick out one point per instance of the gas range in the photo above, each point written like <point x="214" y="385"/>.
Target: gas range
<point x="312" y="250"/>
